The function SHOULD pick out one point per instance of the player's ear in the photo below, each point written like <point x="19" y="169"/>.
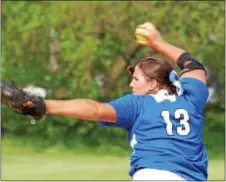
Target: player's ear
<point x="153" y="85"/>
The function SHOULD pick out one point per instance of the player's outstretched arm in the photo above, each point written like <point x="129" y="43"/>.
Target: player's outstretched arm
<point x="85" y="109"/>
<point x="190" y="66"/>
<point x="35" y="106"/>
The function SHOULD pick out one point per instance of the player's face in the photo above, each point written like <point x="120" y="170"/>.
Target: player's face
<point x="140" y="86"/>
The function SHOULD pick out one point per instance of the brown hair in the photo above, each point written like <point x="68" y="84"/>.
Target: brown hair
<point x="158" y="69"/>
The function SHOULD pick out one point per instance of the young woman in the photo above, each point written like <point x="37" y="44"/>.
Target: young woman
<point x="165" y="127"/>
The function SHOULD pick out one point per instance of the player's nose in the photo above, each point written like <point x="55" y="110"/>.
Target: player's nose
<point x="131" y="84"/>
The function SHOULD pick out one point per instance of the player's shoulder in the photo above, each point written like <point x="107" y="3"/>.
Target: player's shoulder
<point x="137" y="99"/>
<point x="192" y="79"/>
<point x="132" y="96"/>
<point x="194" y="82"/>
<point x="129" y="97"/>
<point x="195" y="91"/>
<point x="195" y="87"/>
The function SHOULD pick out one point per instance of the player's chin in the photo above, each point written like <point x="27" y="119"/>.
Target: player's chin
<point x="136" y="93"/>
<point x="139" y="93"/>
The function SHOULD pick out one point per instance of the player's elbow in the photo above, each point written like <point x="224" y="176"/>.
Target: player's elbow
<point x="106" y="112"/>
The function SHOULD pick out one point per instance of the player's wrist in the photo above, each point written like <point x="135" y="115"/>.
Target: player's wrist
<point x="159" y="45"/>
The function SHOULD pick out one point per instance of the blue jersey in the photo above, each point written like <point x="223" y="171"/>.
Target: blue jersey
<point x="165" y="131"/>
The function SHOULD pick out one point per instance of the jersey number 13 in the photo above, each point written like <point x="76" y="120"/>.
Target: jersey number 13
<point x="182" y="116"/>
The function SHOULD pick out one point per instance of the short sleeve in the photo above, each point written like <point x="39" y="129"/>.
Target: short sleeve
<point x="195" y="91"/>
<point x="127" y="109"/>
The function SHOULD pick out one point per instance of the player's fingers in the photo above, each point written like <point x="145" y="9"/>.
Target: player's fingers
<point x="143" y="42"/>
<point x="142" y="36"/>
<point x="144" y="24"/>
<point x="28" y="103"/>
<point x="148" y="26"/>
<point x="143" y="32"/>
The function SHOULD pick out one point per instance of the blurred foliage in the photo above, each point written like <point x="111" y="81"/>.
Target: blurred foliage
<point x="81" y="49"/>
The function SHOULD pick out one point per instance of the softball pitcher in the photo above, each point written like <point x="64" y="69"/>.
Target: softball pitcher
<point x="163" y="115"/>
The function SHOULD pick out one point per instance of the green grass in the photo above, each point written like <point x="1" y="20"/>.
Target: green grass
<point x="22" y="163"/>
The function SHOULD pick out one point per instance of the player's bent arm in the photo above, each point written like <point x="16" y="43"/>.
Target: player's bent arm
<point x="85" y="109"/>
<point x="178" y="56"/>
<point x="174" y="53"/>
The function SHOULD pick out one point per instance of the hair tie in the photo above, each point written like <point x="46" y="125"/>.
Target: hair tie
<point x="173" y="77"/>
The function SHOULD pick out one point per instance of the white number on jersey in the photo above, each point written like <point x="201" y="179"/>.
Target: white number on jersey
<point x="182" y="116"/>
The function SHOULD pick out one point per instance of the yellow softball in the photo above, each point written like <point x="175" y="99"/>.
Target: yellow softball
<point x="140" y="37"/>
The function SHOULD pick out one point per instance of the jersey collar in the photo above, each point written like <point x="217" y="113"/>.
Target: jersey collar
<point x="163" y="94"/>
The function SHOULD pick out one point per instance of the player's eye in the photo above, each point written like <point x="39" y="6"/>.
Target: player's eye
<point x="135" y="78"/>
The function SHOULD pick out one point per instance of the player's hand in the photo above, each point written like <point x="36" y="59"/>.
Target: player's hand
<point x="21" y="101"/>
<point x="152" y="36"/>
